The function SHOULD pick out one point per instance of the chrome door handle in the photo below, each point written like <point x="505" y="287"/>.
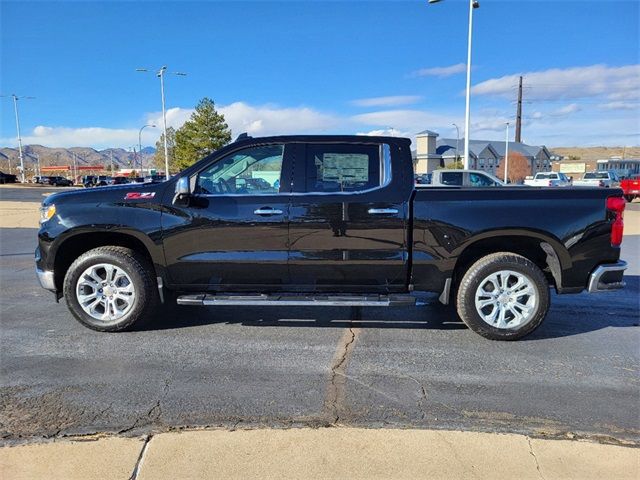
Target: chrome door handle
<point x="267" y="211"/>
<point x="383" y="211"/>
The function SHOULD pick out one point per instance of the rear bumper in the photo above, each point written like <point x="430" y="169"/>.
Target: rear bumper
<point x="607" y="277"/>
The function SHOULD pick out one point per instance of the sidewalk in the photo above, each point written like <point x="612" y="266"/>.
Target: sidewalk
<point x="320" y="453"/>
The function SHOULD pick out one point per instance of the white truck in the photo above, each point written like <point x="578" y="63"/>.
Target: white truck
<point x="548" y="179"/>
<point x="598" y="179"/>
<point x="465" y="178"/>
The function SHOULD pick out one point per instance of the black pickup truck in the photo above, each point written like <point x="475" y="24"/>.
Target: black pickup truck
<point x="326" y="220"/>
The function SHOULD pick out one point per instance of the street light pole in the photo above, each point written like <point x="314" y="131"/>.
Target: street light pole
<point x="164" y="124"/>
<point x="161" y="74"/>
<point x="140" y="145"/>
<point x="457" y="140"/>
<point x="506" y="156"/>
<point x="467" y="115"/>
<point x="15" y="107"/>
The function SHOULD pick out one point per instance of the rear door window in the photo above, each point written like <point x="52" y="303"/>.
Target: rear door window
<point x="343" y="168"/>
<point x="451" y="178"/>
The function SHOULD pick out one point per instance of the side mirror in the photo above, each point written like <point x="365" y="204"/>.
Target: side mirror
<point x="182" y="187"/>
<point x="182" y="192"/>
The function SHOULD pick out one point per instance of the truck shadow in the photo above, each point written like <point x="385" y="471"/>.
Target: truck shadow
<point x="569" y="315"/>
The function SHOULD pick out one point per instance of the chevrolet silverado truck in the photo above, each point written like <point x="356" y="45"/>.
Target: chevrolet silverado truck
<point x="325" y="220"/>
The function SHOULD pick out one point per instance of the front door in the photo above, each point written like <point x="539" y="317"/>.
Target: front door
<point x="233" y="235"/>
<point x="347" y="224"/>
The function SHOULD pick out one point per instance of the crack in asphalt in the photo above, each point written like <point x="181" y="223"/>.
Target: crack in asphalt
<point x="334" y="406"/>
<point x="535" y="458"/>
<point x="154" y="413"/>
<point x="136" y="468"/>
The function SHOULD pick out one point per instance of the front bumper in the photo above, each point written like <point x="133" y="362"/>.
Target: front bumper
<point x="607" y="277"/>
<point x="46" y="279"/>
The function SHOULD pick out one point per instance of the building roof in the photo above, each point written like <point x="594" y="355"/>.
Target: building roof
<point x="498" y="147"/>
<point x="447" y="147"/>
<point x="428" y="133"/>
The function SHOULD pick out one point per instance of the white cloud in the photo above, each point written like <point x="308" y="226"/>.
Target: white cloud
<point x="405" y="120"/>
<point x="256" y="120"/>
<point x="391" y="101"/>
<point x="386" y="132"/>
<point x="613" y="83"/>
<point x="620" y="106"/>
<point x="441" y="71"/>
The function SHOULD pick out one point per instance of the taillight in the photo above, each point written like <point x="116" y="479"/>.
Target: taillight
<point x="616" y="205"/>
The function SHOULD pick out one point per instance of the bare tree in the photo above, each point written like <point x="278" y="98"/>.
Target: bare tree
<point x="518" y="169"/>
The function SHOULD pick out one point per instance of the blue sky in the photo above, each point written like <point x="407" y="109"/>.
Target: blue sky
<point x="321" y="67"/>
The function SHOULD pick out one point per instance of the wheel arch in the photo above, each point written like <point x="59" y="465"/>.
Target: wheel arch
<point x="548" y="253"/>
<point x="74" y="245"/>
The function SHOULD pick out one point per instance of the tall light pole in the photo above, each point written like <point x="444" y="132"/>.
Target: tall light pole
<point x="506" y="155"/>
<point x="15" y="108"/>
<point x="467" y="114"/>
<point x="161" y="74"/>
<point x="457" y="140"/>
<point x="140" y="144"/>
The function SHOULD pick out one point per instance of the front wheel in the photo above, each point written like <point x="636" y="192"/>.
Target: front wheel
<point x="503" y="296"/>
<point x="110" y="289"/>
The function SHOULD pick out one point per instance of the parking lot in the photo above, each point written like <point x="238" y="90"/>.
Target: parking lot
<point x="576" y="376"/>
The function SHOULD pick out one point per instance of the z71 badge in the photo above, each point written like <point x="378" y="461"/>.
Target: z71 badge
<point x="139" y="195"/>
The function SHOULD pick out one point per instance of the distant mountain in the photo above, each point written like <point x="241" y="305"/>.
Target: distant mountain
<point x="84" y="156"/>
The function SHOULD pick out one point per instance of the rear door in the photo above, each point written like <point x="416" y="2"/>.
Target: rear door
<point x="348" y="219"/>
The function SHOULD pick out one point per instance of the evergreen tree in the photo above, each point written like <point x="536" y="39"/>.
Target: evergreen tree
<point x="205" y="132"/>
<point x="158" y="157"/>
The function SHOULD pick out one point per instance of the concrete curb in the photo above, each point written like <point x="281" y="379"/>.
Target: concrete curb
<point x="320" y="453"/>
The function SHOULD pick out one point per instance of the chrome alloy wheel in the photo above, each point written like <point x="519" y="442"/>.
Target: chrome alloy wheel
<point x="105" y="292"/>
<point x="506" y="299"/>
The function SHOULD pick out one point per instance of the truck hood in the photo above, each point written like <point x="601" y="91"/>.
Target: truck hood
<point x="110" y="194"/>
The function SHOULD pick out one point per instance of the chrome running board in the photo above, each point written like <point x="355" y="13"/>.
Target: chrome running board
<point x="299" y="301"/>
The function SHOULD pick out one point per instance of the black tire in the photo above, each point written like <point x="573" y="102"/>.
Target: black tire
<point x="629" y="198"/>
<point x="484" y="268"/>
<point x="139" y="271"/>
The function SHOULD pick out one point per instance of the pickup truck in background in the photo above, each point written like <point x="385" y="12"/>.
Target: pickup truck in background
<point x="598" y="179"/>
<point x="464" y="178"/>
<point x="631" y="187"/>
<point x="325" y="220"/>
<point x="548" y="179"/>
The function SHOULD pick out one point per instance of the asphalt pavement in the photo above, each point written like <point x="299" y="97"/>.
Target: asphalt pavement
<point x="418" y="367"/>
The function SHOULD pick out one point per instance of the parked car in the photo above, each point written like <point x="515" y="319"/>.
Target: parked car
<point x="102" y="180"/>
<point x="598" y="179"/>
<point x="60" y="181"/>
<point x="423" y="179"/>
<point x="464" y="178"/>
<point x="346" y="227"/>
<point x="119" y="181"/>
<point x="7" y="178"/>
<point x="154" y="178"/>
<point x="137" y="179"/>
<point x="631" y="187"/>
<point x="548" y="179"/>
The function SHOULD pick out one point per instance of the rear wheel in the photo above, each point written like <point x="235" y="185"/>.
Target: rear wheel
<point x="110" y="289"/>
<point x="503" y="296"/>
<point x="629" y="198"/>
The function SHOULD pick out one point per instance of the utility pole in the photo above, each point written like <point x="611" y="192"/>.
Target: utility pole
<point x="75" y="167"/>
<point x="519" y="114"/>
<point x="111" y="161"/>
<point x="506" y="157"/>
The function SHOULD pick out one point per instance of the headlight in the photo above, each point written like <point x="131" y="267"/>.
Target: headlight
<point x="46" y="212"/>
